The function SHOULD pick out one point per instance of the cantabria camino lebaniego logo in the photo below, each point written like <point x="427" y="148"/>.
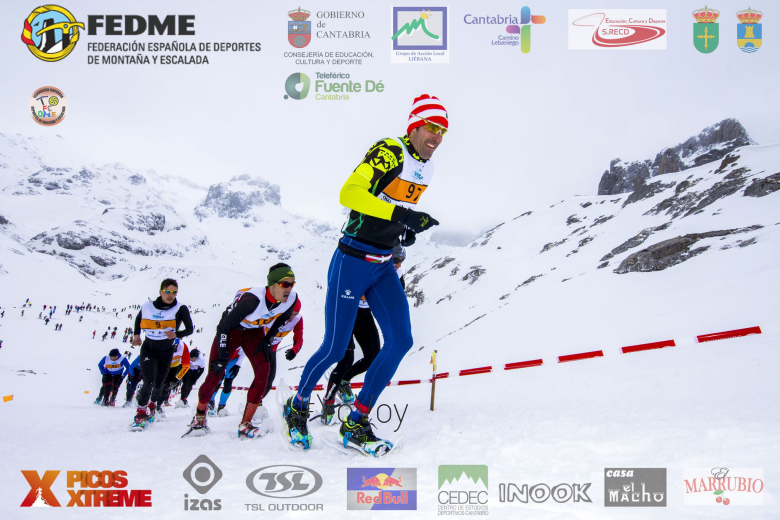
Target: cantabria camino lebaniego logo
<point x="51" y="32"/>
<point x="292" y="83"/>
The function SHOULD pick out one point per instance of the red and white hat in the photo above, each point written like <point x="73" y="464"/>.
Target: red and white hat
<point x="431" y="109"/>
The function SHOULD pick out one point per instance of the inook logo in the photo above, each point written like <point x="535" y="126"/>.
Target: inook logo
<point x="202" y="474"/>
<point x="463" y="490"/>
<point x="724" y="486"/>
<point x="284" y="482"/>
<point x="635" y="487"/>
<point x="512" y="40"/>
<point x="420" y="35"/>
<point x="51" y="32"/>
<point x="706" y="34"/>
<point x="617" y="29"/>
<point x="541" y="492"/>
<point x="381" y="488"/>
<point x="111" y="493"/>
<point x="299" y="29"/>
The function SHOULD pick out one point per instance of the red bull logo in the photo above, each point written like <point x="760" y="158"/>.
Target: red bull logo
<point x="381" y="488"/>
<point x="382" y="481"/>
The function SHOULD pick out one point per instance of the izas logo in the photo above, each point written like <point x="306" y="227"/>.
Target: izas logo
<point x="297" y="86"/>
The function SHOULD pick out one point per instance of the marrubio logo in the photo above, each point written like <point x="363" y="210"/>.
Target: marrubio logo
<point x="51" y="32"/>
<point x="41" y="494"/>
<point x="285" y="481"/>
<point x="291" y="86"/>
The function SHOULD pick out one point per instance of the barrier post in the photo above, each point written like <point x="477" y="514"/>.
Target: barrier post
<point x="433" y="378"/>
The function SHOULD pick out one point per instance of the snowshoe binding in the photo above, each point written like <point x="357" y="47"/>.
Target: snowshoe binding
<point x="212" y="410"/>
<point x="345" y="393"/>
<point x="296" y="428"/>
<point x="198" y="427"/>
<point x="358" y="435"/>
<point x="141" y="420"/>
<point x="328" y="412"/>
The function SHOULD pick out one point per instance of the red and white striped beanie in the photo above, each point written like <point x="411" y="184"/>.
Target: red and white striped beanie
<point x="431" y="109"/>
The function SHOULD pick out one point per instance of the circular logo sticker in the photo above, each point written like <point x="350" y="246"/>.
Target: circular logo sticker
<point x="48" y="106"/>
<point x="51" y="32"/>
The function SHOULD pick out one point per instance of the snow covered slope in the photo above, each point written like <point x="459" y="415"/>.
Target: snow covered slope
<point x="689" y="253"/>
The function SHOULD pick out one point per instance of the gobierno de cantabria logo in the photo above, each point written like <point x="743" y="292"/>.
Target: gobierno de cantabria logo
<point x="51" y="32"/>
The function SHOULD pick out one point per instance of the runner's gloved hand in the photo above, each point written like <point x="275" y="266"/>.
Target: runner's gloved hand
<point x="290" y="354"/>
<point x="419" y="221"/>
<point x="410" y="237"/>
<point x="266" y="347"/>
<point x="217" y="365"/>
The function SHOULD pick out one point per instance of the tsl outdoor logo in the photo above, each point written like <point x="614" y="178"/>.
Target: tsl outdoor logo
<point x="381" y="488"/>
<point x="749" y="30"/>
<point x="103" y="489"/>
<point x="724" y="486"/>
<point x="299" y="29"/>
<point x="617" y="29"/>
<point x="51" y="32"/>
<point x="706" y="33"/>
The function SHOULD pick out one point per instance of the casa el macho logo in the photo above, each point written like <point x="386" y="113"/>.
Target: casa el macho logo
<point x="51" y="32"/>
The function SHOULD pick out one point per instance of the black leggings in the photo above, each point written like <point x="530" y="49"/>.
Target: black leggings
<point x="189" y="380"/>
<point x="367" y="336"/>
<point x="111" y="384"/>
<point x="167" y="385"/>
<point x="132" y="384"/>
<point x="155" y="365"/>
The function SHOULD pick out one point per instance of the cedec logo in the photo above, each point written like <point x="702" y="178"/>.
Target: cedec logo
<point x="51" y="32"/>
<point x="41" y="495"/>
<point x="291" y="86"/>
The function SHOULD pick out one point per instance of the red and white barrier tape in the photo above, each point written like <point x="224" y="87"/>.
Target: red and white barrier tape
<point x="561" y="359"/>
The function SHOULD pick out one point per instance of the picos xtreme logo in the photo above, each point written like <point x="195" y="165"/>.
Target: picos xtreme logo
<point x="86" y="489"/>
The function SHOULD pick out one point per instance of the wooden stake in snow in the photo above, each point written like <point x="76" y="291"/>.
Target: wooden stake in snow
<point x="433" y="379"/>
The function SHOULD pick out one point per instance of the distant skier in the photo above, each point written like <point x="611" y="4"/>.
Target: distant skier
<point x="160" y="320"/>
<point x="367" y="337"/>
<point x="105" y="335"/>
<point x="133" y="377"/>
<point x="250" y="322"/>
<point x="383" y="193"/>
<point x="197" y="366"/>
<point x="93" y="333"/>
<point x="81" y="318"/>
<point x="114" y="366"/>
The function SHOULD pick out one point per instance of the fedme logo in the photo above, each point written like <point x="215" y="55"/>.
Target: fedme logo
<point x="103" y="489"/>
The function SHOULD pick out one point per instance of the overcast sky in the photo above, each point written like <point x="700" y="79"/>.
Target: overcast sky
<point x="527" y="130"/>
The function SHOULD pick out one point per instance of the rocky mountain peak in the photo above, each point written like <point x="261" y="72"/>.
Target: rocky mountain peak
<point x="711" y="144"/>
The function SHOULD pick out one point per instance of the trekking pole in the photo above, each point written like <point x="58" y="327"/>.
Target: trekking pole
<point x="433" y="379"/>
